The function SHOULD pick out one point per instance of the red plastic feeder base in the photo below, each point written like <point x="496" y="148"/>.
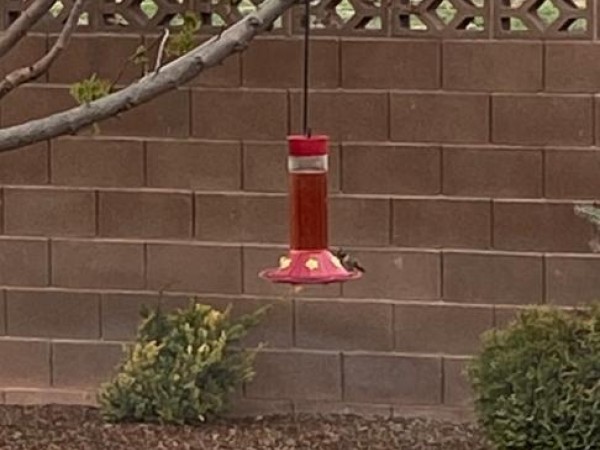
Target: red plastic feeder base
<point x="309" y="267"/>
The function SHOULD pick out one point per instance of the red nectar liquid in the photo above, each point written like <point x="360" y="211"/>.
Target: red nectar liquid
<point x="308" y="208"/>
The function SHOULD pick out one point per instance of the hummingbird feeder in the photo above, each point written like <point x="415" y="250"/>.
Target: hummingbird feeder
<point x="309" y="260"/>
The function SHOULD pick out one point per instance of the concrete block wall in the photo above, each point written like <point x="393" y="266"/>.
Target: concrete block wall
<point x="456" y="161"/>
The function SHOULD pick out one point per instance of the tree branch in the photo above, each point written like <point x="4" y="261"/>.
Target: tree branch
<point x="25" y="74"/>
<point x="172" y="75"/>
<point x="161" y="49"/>
<point x="24" y="23"/>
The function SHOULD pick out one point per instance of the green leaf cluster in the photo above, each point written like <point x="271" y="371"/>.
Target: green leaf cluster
<point x="140" y="57"/>
<point x="90" y="89"/>
<point x="184" y="40"/>
<point x="537" y="382"/>
<point x="182" y="366"/>
<point x="588" y="212"/>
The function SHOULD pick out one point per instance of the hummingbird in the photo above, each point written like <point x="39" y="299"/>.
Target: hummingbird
<point x="350" y="263"/>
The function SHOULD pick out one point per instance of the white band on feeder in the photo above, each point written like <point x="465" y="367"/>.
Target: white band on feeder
<point x="307" y="163"/>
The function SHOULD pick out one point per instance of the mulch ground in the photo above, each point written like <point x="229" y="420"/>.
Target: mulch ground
<point x="66" y="428"/>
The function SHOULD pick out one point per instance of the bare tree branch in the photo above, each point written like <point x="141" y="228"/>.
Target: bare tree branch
<point x="25" y="74"/>
<point x="172" y="75"/>
<point x="20" y="27"/>
<point x="161" y="49"/>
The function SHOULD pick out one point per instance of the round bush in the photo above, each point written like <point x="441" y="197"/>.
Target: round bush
<point x="537" y="382"/>
<point x="181" y="368"/>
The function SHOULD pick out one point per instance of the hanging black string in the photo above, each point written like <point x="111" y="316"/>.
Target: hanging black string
<point x="305" y="124"/>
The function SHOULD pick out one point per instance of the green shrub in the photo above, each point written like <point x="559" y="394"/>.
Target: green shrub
<point x="181" y="367"/>
<point x="537" y="382"/>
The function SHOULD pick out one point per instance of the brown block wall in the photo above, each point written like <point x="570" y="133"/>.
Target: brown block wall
<point x="457" y="157"/>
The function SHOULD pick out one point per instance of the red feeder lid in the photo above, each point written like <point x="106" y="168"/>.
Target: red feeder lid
<point x="300" y="145"/>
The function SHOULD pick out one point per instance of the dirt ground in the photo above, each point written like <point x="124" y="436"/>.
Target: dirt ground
<point x="66" y="428"/>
